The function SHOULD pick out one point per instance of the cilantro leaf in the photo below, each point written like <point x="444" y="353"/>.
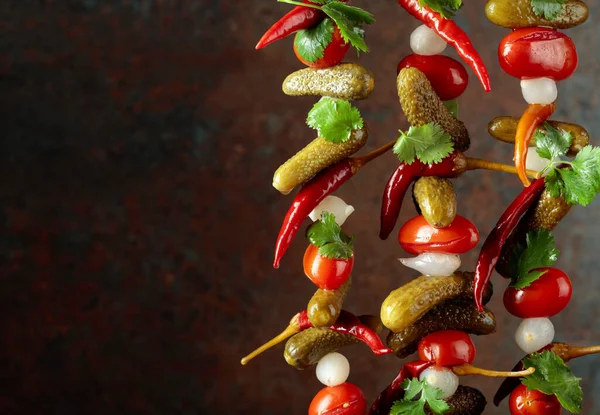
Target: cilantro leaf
<point x="452" y="106"/>
<point x="581" y="183"/>
<point x="327" y="235"/>
<point x="552" y="143"/>
<point x="311" y="43"/>
<point x="428" y="143"/>
<point x="334" y="119"/>
<point x="539" y="252"/>
<point x="349" y="20"/>
<point x="550" y="9"/>
<point x="445" y="8"/>
<point x="428" y="396"/>
<point x="553" y="377"/>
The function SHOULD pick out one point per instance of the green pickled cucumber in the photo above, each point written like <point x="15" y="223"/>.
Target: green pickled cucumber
<point x="436" y="200"/>
<point x="421" y="105"/>
<point x="465" y="401"/>
<point x="505" y="129"/>
<point x="313" y="158"/>
<point x="347" y="81"/>
<point x="325" y="305"/>
<point x="516" y="14"/>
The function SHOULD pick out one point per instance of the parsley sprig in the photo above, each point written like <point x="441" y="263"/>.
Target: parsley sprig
<point x="553" y="377"/>
<point x="550" y="9"/>
<point x="311" y="43"/>
<point x="327" y="235"/>
<point x="427" y="143"/>
<point x="427" y="395"/>
<point x="539" y="252"/>
<point x="578" y="180"/>
<point x="334" y="119"/>
<point x="446" y="8"/>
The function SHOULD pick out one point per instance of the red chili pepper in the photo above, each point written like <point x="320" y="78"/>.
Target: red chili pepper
<point x="493" y="244"/>
<point x="393" y="196"/>
<point x="451" y="33"/>
<point x="534" y="115"/>
<point x="395" y="391"/>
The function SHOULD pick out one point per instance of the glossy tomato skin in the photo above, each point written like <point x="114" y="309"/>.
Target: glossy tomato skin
<point x="545" y="297"/>
<point x="334" y="52"/>
<point x="418" y="236"/>
<point x="447" y="348"/>
<point x="533" y="402"/>
<point x="344" y="399"/>
<point x="448" y="77"/>
<point x="326" y="273"/>
<point x="537" y="52"/>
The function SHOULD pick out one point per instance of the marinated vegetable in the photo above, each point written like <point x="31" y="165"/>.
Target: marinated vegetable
<point x="325" y="305"/>
<point x="436" y="200"/>
<point x="516" y="14"/>
<point x="448" y="76"/>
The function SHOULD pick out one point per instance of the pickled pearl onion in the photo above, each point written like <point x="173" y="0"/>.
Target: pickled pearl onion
<point x="335" y="206"/>
<point x="541" y="91"/>
<point x="433" y="264"/>
<point x="442" y="378"/>
<point x="333" y="369"/>
<point x="535" y="162"/>
<point x="424" y="41"/>
<point x="534" y="333"/>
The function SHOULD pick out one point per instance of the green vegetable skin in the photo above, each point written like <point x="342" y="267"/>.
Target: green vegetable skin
<point x="308" y="347"/>
<point x="505" y="128"/>
<point x="466" y="401"/>
<point x="422" y="106"/>
<point x="436" y="200"/>
<point x="516" y="14"/>
<point x="325" y="305"/>
<point x="404" y="306"/>
<point x="347" y="81"/>
<point x="451" y="315"/>
<point x="315" y="157"/>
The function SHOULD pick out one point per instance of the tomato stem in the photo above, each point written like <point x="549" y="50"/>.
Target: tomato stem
<point x="480" y="164"/>
<point x="292" y="329"/>
<point x="358" y="162"/>
<point x="468" y="370"/>
<point x="298" y="3"/>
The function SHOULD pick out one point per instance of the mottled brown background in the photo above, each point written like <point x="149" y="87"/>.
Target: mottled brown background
<point x="137" y="220"/>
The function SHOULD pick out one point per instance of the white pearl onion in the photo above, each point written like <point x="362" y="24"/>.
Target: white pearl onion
<point x="334" y="205"/>
<point x="333" y="369"/>
<point x="442" y="378"/>
<point x="424" y="41"/>
<point x="535" y="162"/>
<point x="433" y="264"/>
<point x="541" y="91"/>
<point x="534" y="333"/>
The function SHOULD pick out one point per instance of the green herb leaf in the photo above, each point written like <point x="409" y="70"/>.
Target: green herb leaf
<point x="553" y="377"/>
<point x="349" y="20"/>
<point x="327" y="235"/>
<point x="539" y="252"/>
<point x="581" y="183"/>
<point x="334" y="119"/>
<point x="428" y="396"/>
<point x="428" y="143"/>
<point x="552" y="143"/>
<point x="452" y="106"/>
<point x="446" y="8"/>
<point x="311" y="43"/>
<point x="550" y="9"/>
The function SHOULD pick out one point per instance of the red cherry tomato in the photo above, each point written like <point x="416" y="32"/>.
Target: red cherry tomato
<point x="533" y="402"/>
<point x="333" y="54"/>
<point x="344" y="399"/>
<point x="448" y="76"/>
<point x="538" y="52"/>
<point x="447" y="348"/>
<point x="326" y="273"/>
<point x="545" y="297"/>
<point x="418" y="236"/>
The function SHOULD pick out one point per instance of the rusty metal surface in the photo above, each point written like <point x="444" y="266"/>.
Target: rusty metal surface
<point x="137" y="220"/>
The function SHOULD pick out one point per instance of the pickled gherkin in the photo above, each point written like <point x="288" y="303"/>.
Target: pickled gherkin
<point x="515" y="14"/>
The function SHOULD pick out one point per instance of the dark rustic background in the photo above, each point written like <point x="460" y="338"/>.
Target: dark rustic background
<point x="137" y="218"/>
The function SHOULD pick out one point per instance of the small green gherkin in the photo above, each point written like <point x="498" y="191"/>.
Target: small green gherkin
<point x="325" y="305"/>
<point x="516" y="14"/>
<point x="436" y="200"/>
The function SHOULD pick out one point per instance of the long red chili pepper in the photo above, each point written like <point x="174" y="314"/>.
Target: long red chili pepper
<point x="533" y="116"/>
<point x="452" y="34"/>
<point x="493" y="244"/>
<point x="394" y="391"/>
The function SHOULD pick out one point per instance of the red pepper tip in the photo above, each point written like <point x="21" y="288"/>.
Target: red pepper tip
<point x="382" y="352"/>
<point x="276" y="264"/>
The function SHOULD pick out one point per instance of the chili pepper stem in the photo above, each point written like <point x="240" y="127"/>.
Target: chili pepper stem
<point x="299" y="3"/>
<point x="292" y="329"/>
<point x="358" y="162"/>
<point x="480" y="164"/>
<point x="468" y="370"/>
<point x="575" y="352"/>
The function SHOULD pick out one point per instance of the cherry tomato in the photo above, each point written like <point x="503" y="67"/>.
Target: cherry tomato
<point x="326" y="273"/>
<point x="447" y="348"/>
<point x="545" y="297"/>
<point x="418" y="236"/>
<point x="334" y="52"/>
<point x="538" y="52"/>
<point x="533" y="402"/>
<point x="344" y="399"/>
<point x="448" y="76"/>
